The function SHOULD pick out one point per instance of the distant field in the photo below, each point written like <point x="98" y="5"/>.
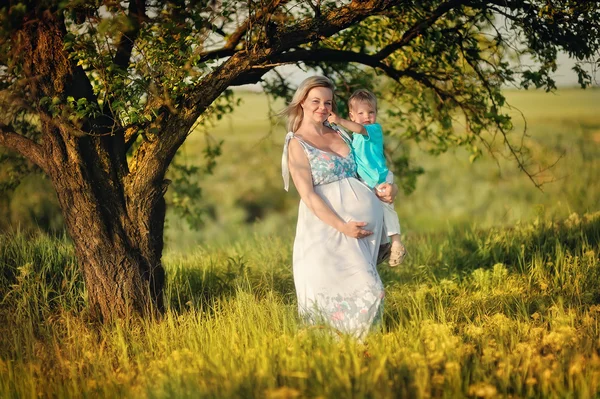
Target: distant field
<point x="565" y="125"/>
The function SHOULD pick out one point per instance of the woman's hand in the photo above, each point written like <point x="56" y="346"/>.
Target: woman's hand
<point x="355" y="229"/>
<point x="386" y="192"/>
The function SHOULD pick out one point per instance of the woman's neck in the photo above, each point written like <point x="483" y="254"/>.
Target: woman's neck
<point x="310" y="127"/>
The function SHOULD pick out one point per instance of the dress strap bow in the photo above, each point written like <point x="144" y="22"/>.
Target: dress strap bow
<point x="285" y="170"/>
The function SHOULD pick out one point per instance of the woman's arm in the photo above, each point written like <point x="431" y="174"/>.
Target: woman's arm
<point x="300" y="172"/>
<point x="346" y="124"/>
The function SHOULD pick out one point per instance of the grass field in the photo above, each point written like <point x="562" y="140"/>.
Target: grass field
<point x="481" y="313"/>
<point x="500" y="296"/>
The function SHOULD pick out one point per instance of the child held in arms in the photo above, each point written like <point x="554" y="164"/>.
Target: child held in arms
<point x="367" y="143"/>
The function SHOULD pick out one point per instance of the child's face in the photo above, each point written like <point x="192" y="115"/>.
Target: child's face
<point x="363" y="113"/>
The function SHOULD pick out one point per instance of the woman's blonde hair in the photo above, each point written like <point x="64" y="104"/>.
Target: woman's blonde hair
<point x="293" y="111"/>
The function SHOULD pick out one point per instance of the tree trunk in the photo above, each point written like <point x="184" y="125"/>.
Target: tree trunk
<point x="115" y="218"/>
<point x="117" y="232"/>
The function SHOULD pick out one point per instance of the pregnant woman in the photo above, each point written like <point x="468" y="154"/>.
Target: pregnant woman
<point x="340" y="219"/>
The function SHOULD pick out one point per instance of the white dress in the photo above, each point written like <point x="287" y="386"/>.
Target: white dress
<point x="335" y="275"/>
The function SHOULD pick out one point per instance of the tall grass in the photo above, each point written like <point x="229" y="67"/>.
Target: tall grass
<point x="480" y="312"/>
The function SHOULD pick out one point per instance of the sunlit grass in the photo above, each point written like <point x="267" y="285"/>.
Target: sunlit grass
<point x="509" y="311"/>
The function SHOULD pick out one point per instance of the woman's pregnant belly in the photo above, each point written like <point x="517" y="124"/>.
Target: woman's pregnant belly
<point x="335" y="257"/>
<point x="353" y="201"/>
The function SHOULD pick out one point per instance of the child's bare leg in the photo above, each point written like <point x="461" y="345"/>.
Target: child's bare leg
<point x="398" y="251"/>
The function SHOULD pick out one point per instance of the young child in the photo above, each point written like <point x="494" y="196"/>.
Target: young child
<point x="367" y="143"/>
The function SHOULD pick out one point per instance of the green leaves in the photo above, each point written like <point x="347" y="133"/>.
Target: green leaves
<point x="444" y="83"/>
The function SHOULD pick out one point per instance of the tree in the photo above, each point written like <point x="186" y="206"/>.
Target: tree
<point x="100" y="95"/>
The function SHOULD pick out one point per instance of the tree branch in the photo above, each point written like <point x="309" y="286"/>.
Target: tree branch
<point x="236" y="36"/>
<point x="229" y="48"/>
<point x="511" y="5"/>
<point x="216" y="54"/>
<point x="23" y="145"/>
<point x="154" y="155"/>
<point x="282" y="38"/>
<point x="373" y="61"/>
<point x="214" y="28"/>
<point x="419" y="28"/>
<point x="514" y="152"/>
<point x="331" y="22"/>
<point x="137" y="11"/>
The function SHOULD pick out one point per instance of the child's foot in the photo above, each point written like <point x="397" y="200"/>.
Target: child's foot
<point x="398" y="254"/>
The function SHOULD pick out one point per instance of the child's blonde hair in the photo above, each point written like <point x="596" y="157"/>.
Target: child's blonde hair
<point x="362" y="96"/>
<point x="293" y="111"/>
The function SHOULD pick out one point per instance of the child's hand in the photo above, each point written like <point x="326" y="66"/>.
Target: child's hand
<point x="334" y="118"/>
<point x="386" y="192"/>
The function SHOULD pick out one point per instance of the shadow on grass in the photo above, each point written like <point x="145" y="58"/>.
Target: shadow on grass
<point x="461" y="251"/>
<point x="519" y="270"/>
<point x="223" y="279"/>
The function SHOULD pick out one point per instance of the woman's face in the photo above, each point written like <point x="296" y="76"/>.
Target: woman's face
<point x="318" y="104"/>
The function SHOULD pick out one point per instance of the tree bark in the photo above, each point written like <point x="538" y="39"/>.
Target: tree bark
<point x="118" y="238"/>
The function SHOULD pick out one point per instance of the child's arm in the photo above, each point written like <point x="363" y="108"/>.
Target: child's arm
<point x="346" y="124"/>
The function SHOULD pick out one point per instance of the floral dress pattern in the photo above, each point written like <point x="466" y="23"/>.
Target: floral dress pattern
<point x="335" y="275"/>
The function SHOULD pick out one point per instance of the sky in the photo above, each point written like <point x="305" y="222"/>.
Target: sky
<point x="565" y="76"/>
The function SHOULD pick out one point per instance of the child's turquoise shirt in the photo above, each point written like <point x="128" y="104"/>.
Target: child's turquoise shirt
<point x="370" y="159"/>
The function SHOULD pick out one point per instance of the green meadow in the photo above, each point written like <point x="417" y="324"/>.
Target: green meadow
<point x="499" y="296"/>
